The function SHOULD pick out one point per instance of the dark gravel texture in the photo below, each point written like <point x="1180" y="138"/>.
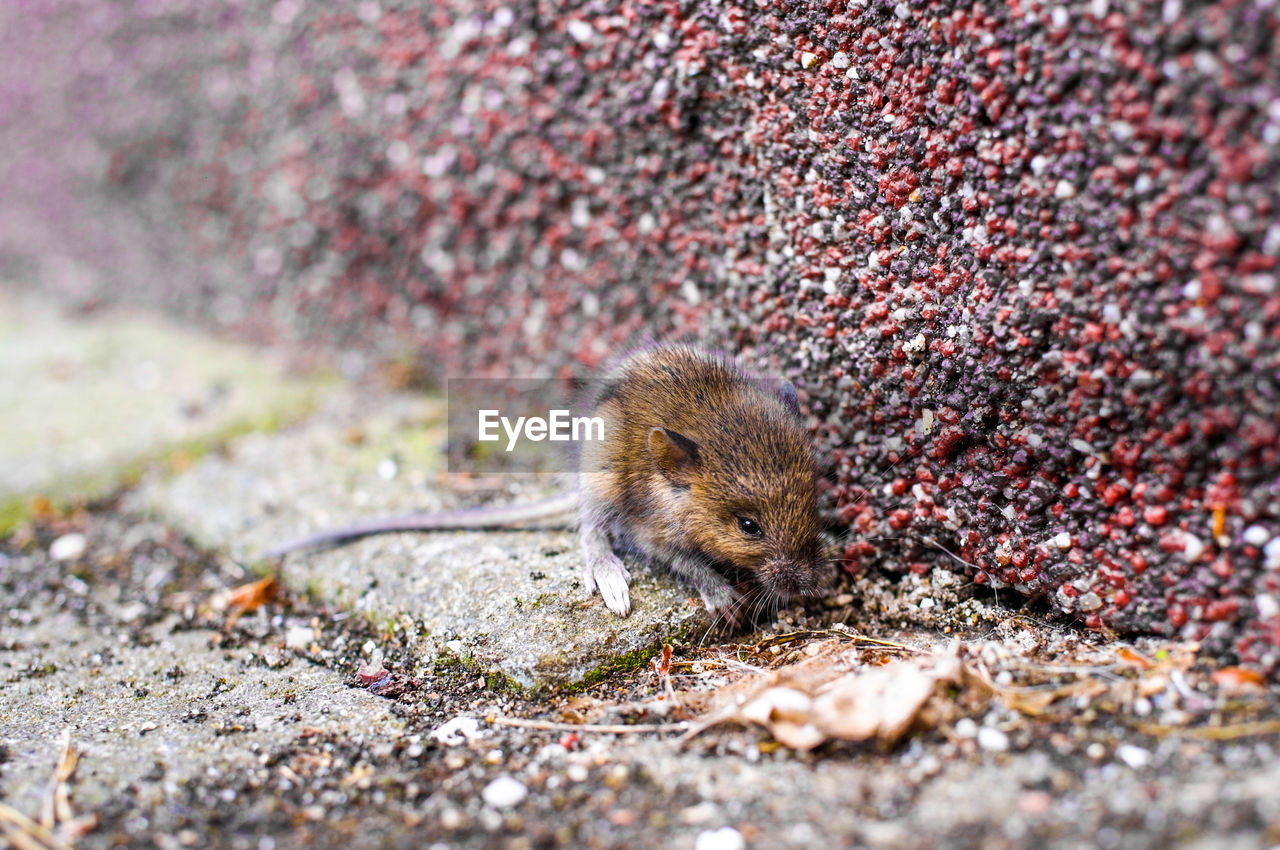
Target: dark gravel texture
<point x="1021" y="257"/>
<point x="247" y="738"/>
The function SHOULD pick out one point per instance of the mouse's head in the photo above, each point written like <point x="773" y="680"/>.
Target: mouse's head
<point x="746" y="488"/>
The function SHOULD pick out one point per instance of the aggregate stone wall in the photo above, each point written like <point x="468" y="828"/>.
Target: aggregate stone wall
<point x="1020" y="256"/>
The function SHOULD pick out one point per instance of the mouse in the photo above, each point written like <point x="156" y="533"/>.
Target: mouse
<point x="703" y="469"/>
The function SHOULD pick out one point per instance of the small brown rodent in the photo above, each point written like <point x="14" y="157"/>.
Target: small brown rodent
<point x="702" y="469"/>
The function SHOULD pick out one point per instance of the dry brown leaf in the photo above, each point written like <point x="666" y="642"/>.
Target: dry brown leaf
<point x="248" y="598"/>
<point x="1030" y="701"/>
<point x="1135" y="658"/>
<point x="882" y="703"/>
<point x="786" y="713"/>
<point x="663" y="668"/>
<point x="821" y="698"/>
<point x="1238" y="680"/>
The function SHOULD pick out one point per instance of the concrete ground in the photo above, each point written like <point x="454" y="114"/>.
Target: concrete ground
<point x="367" y="696"/>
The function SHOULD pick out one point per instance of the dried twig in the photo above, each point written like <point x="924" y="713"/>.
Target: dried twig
<point x="741" y="666"/>
<point x="844" y="635"/>
<point x="24" y="833"/>
<point x="1228" y="732"/>
<point x="604" y="728"/>
<point x="58" y="827"/>
<point x="697" y="728"/>
<point x="57" y="803"/>
<point x="1110" y="671"/>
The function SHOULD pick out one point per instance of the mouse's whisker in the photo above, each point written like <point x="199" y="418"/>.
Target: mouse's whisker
<point x="774" y="603"/>
<point x="879" y="478"/>
<point x="741" y="604"/>
<point x="721" y="616"/>
<point x="711" y="628"/>
<point x="936" y="545"/>
<point x="880" y="512"/>
<point x="843" y="537"/>
<point x="897" y="504"/>
<point x="771" y="602"/>
<point x="891" y="537"/>
<point x="756" y="598"/>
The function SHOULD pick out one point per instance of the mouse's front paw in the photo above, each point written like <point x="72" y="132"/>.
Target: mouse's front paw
<point x="723" y="602"/>
<point x="609" y="575"/>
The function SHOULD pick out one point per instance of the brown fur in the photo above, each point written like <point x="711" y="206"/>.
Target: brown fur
<point x="753" y="459"/>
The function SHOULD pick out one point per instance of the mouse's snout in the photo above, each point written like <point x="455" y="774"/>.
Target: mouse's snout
<point x="795" y="575"/>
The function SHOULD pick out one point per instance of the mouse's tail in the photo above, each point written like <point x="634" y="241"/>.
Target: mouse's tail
<point x="499" y="516"/>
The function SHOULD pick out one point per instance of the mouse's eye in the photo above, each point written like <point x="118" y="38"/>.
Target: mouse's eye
<point x="749" y="527"/>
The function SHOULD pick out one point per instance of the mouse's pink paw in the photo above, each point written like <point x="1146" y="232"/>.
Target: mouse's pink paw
<point x="607" y="574"/>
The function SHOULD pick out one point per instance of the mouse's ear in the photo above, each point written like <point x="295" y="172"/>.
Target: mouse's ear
<point x="789" y="397"/>
<point x="675" y="454"/>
